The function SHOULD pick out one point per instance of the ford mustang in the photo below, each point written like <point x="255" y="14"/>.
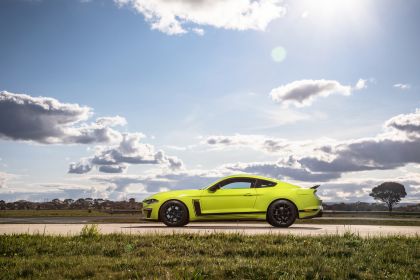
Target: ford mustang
<point x="235" y="197"/>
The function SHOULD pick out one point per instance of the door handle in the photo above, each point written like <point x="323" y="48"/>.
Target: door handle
<point x="248" y="194"/>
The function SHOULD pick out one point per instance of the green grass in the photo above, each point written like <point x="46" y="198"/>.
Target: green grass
<point x="216" y="256"/>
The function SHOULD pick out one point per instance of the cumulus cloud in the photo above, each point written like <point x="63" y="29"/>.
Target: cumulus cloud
<point x="257" y="142"/>
<point x="402" y="86"/>
<point x="303" y="92"/>
<point x="181" y="16"/>
<point x="327" y="159"/>
<point x="48" y="121"/>
<point x="129" y="151"/>
<point x="270" y="145"/>
<point x="156" y="182"/>
<point x="408" y="123"/>
<point x="398" y="147"/>
<point x="120" y="168"/>
<point x="81" y="167"/>
<point x="237" y="140"/>
<point x="283" y="171"/>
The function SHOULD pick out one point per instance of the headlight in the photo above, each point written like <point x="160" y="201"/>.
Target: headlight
<point x="150" y="201"/>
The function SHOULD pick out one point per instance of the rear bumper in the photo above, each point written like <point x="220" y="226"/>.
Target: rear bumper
<point x="316" y="215"/>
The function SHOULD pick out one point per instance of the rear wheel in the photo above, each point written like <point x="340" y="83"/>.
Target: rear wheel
<point x="174" y="214"/>
<point x="281" y="213"/>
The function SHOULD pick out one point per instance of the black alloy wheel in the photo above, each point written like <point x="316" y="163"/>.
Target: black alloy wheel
<point x="174" y="214"/>
<point x="281" y="213"/>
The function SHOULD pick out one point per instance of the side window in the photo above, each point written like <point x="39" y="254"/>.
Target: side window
<point x="236" y="184"/>
<point x="265" y="184"/>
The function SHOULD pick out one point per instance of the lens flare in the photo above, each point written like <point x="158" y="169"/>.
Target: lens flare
<point x="278" y="54"/>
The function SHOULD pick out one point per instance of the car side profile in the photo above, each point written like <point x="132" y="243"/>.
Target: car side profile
<point x="237" y="197"/>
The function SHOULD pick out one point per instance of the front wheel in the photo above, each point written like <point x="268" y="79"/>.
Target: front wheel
<point x="281" y="213"/>
<point x="174" y="214"/>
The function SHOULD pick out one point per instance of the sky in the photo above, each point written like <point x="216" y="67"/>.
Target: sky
<point x="126" y="98"/>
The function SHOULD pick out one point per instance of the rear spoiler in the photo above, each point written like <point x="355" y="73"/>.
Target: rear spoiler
<point x="315" y="187"/>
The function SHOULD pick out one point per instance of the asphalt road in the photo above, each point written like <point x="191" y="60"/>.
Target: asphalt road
<point x="208" y="228"/>
<point x="94" y="219"/>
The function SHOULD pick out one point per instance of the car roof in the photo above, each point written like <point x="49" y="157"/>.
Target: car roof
<point x="252" y="176"/>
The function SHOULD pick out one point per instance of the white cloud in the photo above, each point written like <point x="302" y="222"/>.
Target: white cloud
<point x="176" y="16"/>
<point x="303" y="92"/>
<point x="81" y="167"/>
<point x="198" y="31"/>
<point x="111" y="121"/>
<point x="402" y="86"/>
<point x="256" y="142"/>
<point x="326" y="159"/>
<point x="407" y="123"/>
<point x="48" y="121"/>
<point x="271" y="145"/>
<point x="361" y="84"/>
<point x="398" y="146"/>
<point x="130" y="150"/>
<point x="120" y="185"/>
<point x="282" y="171"/>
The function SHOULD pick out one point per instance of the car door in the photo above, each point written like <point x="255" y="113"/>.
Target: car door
<point x="231" y="196"/>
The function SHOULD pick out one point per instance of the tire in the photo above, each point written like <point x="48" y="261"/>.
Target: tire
<point x="174" y="213"/>
<point x="281" y="213"/>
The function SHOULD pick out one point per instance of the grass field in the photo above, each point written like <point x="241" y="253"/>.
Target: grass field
<point x="218" y="256"/>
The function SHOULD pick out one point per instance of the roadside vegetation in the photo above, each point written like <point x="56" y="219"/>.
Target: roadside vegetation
<point x="216" y="256"/>
<point x="51" y="213"/>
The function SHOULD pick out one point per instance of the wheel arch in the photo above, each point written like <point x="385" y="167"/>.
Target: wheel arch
<point x="169" y="200"/>
<point x="287" y="199"/>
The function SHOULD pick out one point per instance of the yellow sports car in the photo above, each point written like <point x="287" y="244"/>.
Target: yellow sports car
<point x="238" y="197"/>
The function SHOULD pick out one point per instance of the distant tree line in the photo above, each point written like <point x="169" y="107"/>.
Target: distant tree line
<point x="67" y="204"/>
<point x="364" y="206"/>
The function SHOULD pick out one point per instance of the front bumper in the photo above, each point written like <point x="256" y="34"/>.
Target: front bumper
<point x="151" y="211"/>
<point x="147" y="212"/>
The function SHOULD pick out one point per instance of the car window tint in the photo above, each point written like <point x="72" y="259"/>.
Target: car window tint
<point x="265" y="184"/>
<point x="237" y="185"/>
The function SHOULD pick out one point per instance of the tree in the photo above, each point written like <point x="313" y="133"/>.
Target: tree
<point x="2" y="205"/>
<point x="389" y="192"/>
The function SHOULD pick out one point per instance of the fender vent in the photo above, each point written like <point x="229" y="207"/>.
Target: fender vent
<point x="197" y="207"/>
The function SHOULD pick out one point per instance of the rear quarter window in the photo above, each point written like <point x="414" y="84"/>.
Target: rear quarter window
<point x="265" y="184"/>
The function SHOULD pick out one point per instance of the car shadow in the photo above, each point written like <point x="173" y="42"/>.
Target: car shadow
<point x="228" y="227"/>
